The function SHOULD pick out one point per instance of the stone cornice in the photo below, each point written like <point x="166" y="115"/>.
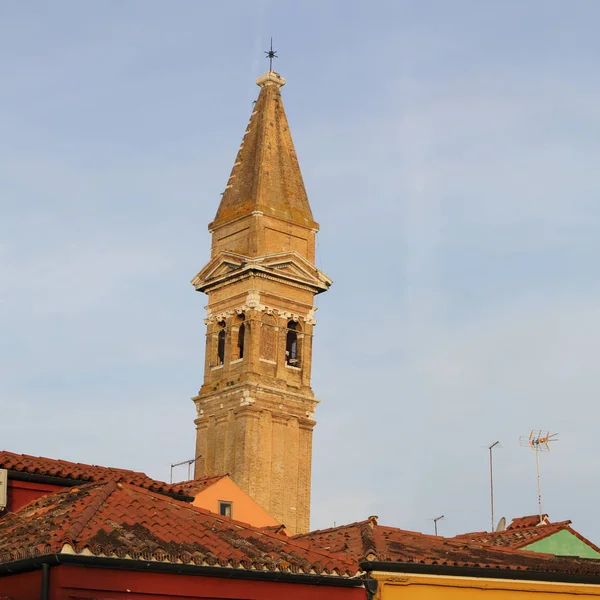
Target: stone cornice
<point x="253" y="391"/>
<point x="249" y="274"/>
<point x="253" y="302"/>
<point x="259" y="213"/>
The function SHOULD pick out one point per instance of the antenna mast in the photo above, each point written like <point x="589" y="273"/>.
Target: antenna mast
<point x="539" y="441"/>
<point x="490" y="448"/>
<point x="435" y="523"/>
<point x="189" y="463"/>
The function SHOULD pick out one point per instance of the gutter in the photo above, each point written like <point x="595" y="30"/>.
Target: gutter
<point x="480" y="572"/>
<point x="67" y="482"/>
<point x="126" y="564"/>
<point x="50" y="480"/>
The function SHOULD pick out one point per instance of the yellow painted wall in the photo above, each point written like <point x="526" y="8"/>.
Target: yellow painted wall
<point x="243" y="507"/>
<point x="397" y="586"/>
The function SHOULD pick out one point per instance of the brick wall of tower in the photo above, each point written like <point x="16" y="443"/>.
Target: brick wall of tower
<point x="265" y="447"/>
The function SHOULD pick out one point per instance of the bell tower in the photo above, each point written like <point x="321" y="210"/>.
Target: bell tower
<point x="255" y="410"/>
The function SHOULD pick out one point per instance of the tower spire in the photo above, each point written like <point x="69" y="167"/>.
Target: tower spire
<point x="266" y="176"/>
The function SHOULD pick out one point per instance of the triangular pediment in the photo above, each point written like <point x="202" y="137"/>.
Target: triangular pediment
<point x="290" y="266"/>
<point x="224" y="268"/>
<point x="221" y="266"/>
<point x="290" y="269"/>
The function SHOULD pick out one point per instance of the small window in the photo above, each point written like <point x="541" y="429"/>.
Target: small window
<point x="241" y="333"/>
<point x="225" y="508"/>
<point x="238" y="332"/>
<point x="221" y="344"/>
<point x="292" y="355"/>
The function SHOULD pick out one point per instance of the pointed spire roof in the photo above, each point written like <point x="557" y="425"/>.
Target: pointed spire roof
<point x="266" y="175"/>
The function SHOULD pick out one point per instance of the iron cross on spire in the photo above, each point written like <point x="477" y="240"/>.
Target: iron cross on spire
<point x="271" y="54"/>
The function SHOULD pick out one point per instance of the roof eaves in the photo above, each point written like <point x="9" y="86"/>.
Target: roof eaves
<point x="477" y="570"/>
<point x="291" y="575"/>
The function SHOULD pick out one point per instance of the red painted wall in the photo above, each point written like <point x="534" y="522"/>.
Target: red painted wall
<point x="84" y="582"/>
<point x="25" y="586"/>
<point x="20" y="493"/>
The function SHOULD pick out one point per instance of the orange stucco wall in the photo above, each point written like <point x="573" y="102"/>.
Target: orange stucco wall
<point x="243" y="507"/>
<point x="398" y="586"/>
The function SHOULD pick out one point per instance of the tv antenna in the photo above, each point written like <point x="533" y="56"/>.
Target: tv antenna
<point x="539" y="441"/>
<point x="189" y="463"/>
<point x="491" y="448"/>
<point x="435" y="523"/>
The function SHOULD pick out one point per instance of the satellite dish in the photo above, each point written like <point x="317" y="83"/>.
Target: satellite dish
<point x="501" y="524"/>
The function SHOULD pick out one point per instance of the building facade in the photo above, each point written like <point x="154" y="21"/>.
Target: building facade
<point x="256" y="408"/>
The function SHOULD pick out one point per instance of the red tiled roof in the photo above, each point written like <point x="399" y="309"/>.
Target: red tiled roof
<point x="514" y="538"/>
<point x="522" y="532"/>
<point x="50" y="467"/>
<point x="369" y="541"/>
<point x="120" y="520"/>
<point x="193" y="486"/>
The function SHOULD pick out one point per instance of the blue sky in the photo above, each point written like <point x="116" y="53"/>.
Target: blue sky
<point x="450" y="153"/>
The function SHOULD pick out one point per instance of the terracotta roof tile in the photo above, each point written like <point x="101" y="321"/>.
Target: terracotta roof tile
<point x="369" y="541"/>
<point x="118" y="519"/>
<point x="78" y="472"/>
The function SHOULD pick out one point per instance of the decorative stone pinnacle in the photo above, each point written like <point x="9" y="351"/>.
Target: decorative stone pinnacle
<point x="270" y="78"/>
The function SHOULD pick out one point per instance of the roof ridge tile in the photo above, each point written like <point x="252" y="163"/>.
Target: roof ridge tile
<point x="334" y="528"/>
<point x="94" y="504"/>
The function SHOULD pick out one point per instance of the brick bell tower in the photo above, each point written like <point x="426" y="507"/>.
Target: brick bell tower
<point x="256" y="407"/>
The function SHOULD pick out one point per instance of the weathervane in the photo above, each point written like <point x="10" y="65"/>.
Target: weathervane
<point x="271" y="54"/>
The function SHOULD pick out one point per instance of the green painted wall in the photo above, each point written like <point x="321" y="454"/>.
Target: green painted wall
<point x="563" y="543"/>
